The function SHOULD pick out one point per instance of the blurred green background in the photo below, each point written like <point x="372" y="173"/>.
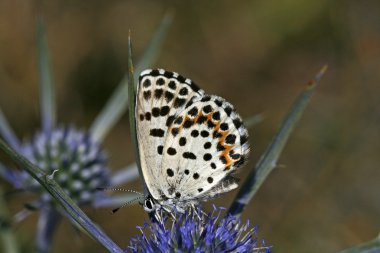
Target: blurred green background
<point x="258" y="55"/>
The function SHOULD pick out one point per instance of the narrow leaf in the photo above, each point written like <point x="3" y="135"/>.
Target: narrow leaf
<point x="268" y="160"/>
<point x="48" y="182"/>
<point x="372" y="246"/>
<point x="7" y="132"/>
<point x="152" y="51"/>
<point x="117" y="104"/>
<point x="132" y="87"/>
<point x="47" y="92"/>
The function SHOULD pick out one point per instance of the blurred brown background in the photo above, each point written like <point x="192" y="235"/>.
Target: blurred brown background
<point x="258" y="55"/>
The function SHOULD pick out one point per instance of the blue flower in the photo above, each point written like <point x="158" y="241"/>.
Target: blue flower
<point x="79" y="161"/>
<point x="74" y="156"/>
<point x="79" y="165"/>
<point x="198" y="232"/>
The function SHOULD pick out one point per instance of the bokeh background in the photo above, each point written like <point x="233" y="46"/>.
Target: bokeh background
<point x="323" y="197"/>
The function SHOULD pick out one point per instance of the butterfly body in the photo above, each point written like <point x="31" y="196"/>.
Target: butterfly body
<point x="189" y="142"/>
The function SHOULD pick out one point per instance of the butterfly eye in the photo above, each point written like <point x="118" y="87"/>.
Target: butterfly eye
<point x="148" y="205"/>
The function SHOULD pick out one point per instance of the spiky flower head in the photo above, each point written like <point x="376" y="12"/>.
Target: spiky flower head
<point x="77" y="160"/>
<point x="198" y="232"/>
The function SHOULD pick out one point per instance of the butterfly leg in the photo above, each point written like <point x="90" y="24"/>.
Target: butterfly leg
<point x="170" y="212"/>
<point x="158" y="215"/>
<point x="194" y="210"/>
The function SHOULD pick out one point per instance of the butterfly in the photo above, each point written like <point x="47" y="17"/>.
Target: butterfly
<point x="189" y="142"/>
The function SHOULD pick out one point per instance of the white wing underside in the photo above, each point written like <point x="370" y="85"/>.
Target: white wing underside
<point x="189" y="142"/>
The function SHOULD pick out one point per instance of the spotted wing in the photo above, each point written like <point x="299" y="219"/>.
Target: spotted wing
<point x="161" y="97"/>
<point x="206" y="142"/>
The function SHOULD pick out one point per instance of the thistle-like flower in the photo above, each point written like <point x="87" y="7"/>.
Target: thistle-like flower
<point x="73" y="157"/>
<point x="198" y="232"/>
<point x="77" y="158"/>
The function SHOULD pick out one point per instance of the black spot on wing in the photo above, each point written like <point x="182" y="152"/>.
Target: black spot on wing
<point x="204" y="133"/>
<point x="189" y="155"/>
<point x="158" y="93"/>
<point x="194" y="87"/>
<point x="148" y="116"/>
<point x="206" y="98"/>
<point x="207" y="157"/>
<point x="181" y="79"/>
<point x="230" y="139"/>
<point x="168" y="74"/>
<point x="157" y="132"/>
<point x="201" y="119"/>
<point x="223" y="126"/>
<point x="240" y="162"/>
<point x="155" y="111"/>
<point x="175" y="131"/>
<point x="237" y="122"/>
<point x="191" y="101"/>
<point x="218" y="102"/>
<point x="147" y="94"/>
<point x="216" y="134"/>
<point x="170" y="120"/>
<point x="168" y="96"/>
<point x="160" y="82"/>
<point x="195" y="133"/>
<point x="216" y="116"/>
<point x="183" y="91"/>
<point x="220" y="147"/>
<point x="235" y="156"/>
<point x="182" y="141"/>
<point x="172" y="151"/>
<point x="178" y="120"/>
<point x="207" y="109"/>
<point x="223" y="159"/>
<point x="147" y="83"/>
<point x="210" y="125"/>
<point x="228" y="110"/>
<point x="207" y="145"/>
<point x="164" y="110"/>
<point x="188" y="124"/>
<point x="243" y="139"/>
<point x="170" y="172"/>
<point x="154" y="72"/>
<point x="193" y="111"/>
<point x="178" y="102"/>
<point x="172" y="85"/>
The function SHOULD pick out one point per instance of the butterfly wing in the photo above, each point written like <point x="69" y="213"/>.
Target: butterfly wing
<point x="161" y="97"/>
<point x="205" y="144"/>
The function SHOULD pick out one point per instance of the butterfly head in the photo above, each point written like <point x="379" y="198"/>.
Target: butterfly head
<point x="150" y="205"/>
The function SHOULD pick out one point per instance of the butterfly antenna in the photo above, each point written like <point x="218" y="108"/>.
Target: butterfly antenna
<point x="126" y="204"/>
<point x="119" y="190"/>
